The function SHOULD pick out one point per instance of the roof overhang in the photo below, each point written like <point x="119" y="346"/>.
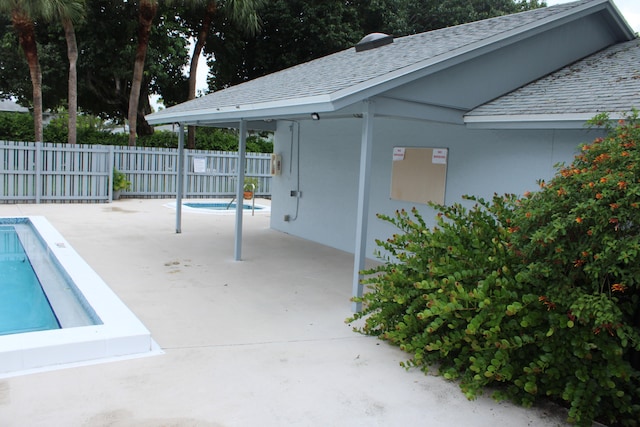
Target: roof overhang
<point x="250" y="112"/>
<point x="535" y="121"/>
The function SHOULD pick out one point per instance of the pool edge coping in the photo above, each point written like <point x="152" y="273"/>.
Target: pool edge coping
<point x="121" y="333"/>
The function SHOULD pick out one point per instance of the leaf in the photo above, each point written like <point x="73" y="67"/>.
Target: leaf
<point x="531" y="387"/>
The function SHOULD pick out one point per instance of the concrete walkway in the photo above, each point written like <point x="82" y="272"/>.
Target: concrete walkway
<point x="261" y="342"/>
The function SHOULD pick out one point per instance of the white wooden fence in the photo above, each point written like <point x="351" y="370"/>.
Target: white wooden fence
<point x="41" y="172"/>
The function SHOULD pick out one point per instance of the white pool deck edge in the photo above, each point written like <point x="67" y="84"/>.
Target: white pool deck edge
<point x="121" y="333"/>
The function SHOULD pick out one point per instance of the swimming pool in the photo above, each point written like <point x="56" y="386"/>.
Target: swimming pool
<point x="24" y="306"/>
<point x="219" y="207"/>
<point x="96" y="325"/>
<point x="34" y="292"/>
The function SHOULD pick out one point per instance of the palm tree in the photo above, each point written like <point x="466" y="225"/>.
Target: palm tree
<point x="243" y="12"/>
<point x="201" y="39"/>
<point x="147" y="10"/>
<point x="239" y="10"/>
<point x="22" y="13"/>
<point x="70" y="11"/>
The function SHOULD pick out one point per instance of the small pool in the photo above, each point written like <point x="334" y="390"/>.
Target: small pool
<point x="220" y="206"/>
<point x="92" y="322"/>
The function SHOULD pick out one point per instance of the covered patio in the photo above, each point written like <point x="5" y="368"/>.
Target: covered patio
<point x="347" y="112"/>
<point x="261" y="342"/>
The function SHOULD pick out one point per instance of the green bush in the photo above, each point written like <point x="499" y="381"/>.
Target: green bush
<point x="16" y="127"/>
<point x="92" y="130"/>
<point x="227" y="140"/>
<point x="119" y="181"/>
<point x="535" y="297"/>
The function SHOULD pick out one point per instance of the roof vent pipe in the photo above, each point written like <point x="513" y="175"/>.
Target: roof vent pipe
<point x="373" y="40"/>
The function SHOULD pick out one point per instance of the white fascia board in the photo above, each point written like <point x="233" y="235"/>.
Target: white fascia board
<point x="265" y="110"/>
<point x="254" y="125"/>
<point x="534" y="121"/>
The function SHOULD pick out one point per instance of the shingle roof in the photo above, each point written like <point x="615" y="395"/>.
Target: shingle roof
<point x="348" y="72"/>
<point x="11" y="106"/>
<point x="608" y="81"/>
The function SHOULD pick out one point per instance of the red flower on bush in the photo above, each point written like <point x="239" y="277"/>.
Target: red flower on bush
<point x="618" y="287"/>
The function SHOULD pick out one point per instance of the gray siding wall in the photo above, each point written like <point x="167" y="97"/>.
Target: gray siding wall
<point x="481" y="163"/>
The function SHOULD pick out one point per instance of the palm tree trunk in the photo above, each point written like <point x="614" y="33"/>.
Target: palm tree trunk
<point x="193" y="68"/>
<point x="27" y="39"/>
<point x="148" y="9"/>
<point x="72" y="53"/>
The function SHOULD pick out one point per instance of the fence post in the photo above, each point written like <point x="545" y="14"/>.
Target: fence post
<point x="38" y="167"/>
<point x="110" y="165"/>
<point x="185" y="170"/>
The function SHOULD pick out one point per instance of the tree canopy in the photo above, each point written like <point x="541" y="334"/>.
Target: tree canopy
<point x="296" y="31"/>
<point x="290" y="32"/>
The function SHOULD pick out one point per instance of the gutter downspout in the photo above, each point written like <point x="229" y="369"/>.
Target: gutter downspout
<point x="363" y="202"/>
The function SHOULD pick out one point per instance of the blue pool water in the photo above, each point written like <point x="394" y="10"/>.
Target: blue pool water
<point x="94" y="325"/>
<point x="220" y="206"/>
<point x="24" y="307"/>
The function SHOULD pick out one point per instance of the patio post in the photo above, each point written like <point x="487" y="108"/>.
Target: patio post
<point x="363" y="201"/>
<point x="242" y="143"/>
<point x="180" y="178"/>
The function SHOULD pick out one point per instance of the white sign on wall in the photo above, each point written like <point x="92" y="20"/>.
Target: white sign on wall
<point x="398" y="153"/>
<point x="199" y="164"/>
<point x="439" y="156"/>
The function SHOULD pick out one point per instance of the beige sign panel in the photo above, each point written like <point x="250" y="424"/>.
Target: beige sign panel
<point x="419" y="175"/>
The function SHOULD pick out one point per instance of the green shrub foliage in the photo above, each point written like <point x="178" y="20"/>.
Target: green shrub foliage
<point x="16" y="127"/>
<point x="534" y="297"/>
<point x="92" y="130"/>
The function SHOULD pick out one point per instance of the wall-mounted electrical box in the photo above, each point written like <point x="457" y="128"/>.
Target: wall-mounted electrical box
<point x="276" y="164"/>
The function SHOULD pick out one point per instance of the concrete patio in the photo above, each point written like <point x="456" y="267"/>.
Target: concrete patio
<point x="261" y="342"/>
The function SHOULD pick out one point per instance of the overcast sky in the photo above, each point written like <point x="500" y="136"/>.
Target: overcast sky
<point x="630" y="9"/>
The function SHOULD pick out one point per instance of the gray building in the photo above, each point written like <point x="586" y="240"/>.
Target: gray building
<point x="481" y="108"/>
